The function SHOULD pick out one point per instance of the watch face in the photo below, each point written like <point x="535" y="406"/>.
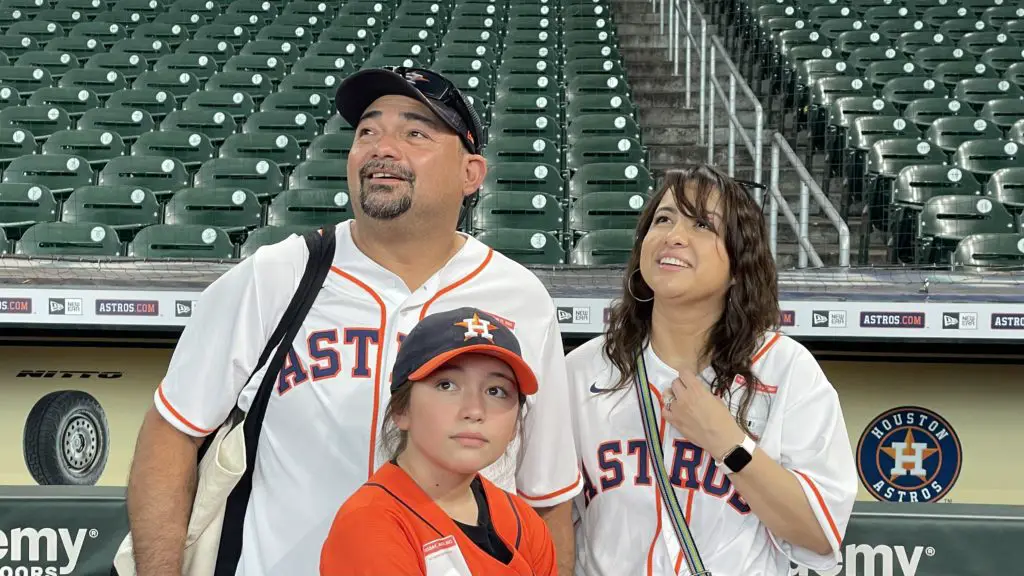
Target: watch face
<point x="737" y="459"/>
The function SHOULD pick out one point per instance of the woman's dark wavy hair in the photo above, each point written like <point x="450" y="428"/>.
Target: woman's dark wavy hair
<point x="752" y="304"/>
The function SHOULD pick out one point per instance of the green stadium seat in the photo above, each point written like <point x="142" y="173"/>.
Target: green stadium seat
<point x="267" y="235"/>
<point x="878" y="74"/>
<point x="332" y="146"/>
<point x="235" y="104"/>
<point x="530" y="66"/>
<point x="300" y="125"/>
<point x="15" y="142"/>
<point x="600" y="104"/>
<point x="531" y="125"/>
<point x="130" y="66"/>
<point x="601" y="125"/>
<point x="900" y="92"/>
<point x="25" y="79"/>
<point x="233" y="210"/>
<point x="527" y="247"/>
<point x="161" y="175"/>
<point x="604" y="149"/>
<point x="604" y="248"/>
<point x="200" y="66"/>
<point x="1002" y="57"/>
<point x="325" y="174"/>
<point x="156" y="102"/>
<point x="189" y="22"/>
<point x="979" y="91"/>
<point x="61" y="173"/>
<point x="149" y="49"/>
<point x="523" y="149"/>
<point x="282" y="149"/>
<point x="40" y="121"/>
<point x="523" y="177"/>
<point x="74" y="101"/>
<point x="946" y="220"/>
<point x="528" y="105"/>
<point x="990" y="251"/>
<point x="181" y="241"/>
<point x="124" y="208"/>
<point x="950" y="132"/>
<point x="172" y="34"/>
<point x="214" y="124"/>
<point x="606" y="211"/>
<point x="191" y="148"/>
<point x="985" y="156"/>
<point x="97" y="147"/>
<point x="310" y="22"/>
<point x="219" y="50"/>
<point x="532" y="84"/>
<point x="309" y="207"/>
<point x="352" y="52"/>
<point x="914" y="186"/>
<point x="1003" y="112"/>
<point x="337" y="66"/>
<point x="235" y="36"/>
<point x="56" y="63"/>
<point x="263" y="177"/>
<point x="67" y="239"/>
<point x="22" y="205"/>
<point x="300" y="36"/>
<point x="255" y="84"/>
<point x="283" y="51"/>
<point x="949" y="74"/>
<point x="96" y="34"/>
<point x="129" y="123"/>
<point x="271" y="67"/>
<point x="517" y="210"/>
<point x="611" y="177"/>
<point x="924" y="111"/>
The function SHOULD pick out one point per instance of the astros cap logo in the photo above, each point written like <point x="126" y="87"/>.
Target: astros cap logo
<point x="477" y="328"/>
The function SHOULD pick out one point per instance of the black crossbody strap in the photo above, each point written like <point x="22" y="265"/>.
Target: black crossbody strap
<point x="321" y="255"/>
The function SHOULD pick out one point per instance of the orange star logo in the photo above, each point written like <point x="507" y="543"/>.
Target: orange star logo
<point x="908" y="456"/>
<point x="477" y="328"/>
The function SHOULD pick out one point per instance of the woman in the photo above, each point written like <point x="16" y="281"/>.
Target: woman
<point x="757" y="464"/>
<point x="457" y="395"/>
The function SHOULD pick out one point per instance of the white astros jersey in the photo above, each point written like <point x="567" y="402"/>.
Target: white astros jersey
<point x="624" y="527"/>
<point x="318" y="442"/>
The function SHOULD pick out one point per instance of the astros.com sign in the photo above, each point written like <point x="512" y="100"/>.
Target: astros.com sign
<point x="879" y="560"/>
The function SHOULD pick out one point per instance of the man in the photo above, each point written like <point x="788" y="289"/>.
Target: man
<point x="415" y="158"/>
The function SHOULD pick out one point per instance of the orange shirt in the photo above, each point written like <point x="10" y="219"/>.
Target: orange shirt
<point x="390" y="527"/>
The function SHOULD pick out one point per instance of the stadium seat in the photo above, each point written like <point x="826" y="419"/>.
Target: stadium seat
<point x="309" y="207"/>
<point x="282" y="149"/>
<point x="299" y="125"/>
<point x="604" y="248"/>
<point x="61" y="173"/>
<point x="946" y="220"/>
<point x="22" y="205"/>
<point x="130" y="66"/>
<point x="96" y="146"/>
<point x="15" y="142"/>
<point x="1006" y="186"/>
<point x="524" y="246"/>
<point x="914" y="186"/>
<point x="67" y="239"/>
<point x="129" y="123"/>
<point x="611" y="177"/>
<point x="73" y="101"/>
<point x="606" y="150"/>
<point x="233" y="210"/>
<point x="191" y="148"/>
<point x="984" y="156"/>
<point x="992" y="251"/>
<point x="327" y="174"/>
<point x="606" y="211"/>
<point x="40" y="121"/>
<point x="517" y="210"/>
<point x="160" y="174"/>
<point x="214" y="124"/>
<point x="124" y="208"/>
<point x="260" y="176"/>
<point x="523" y="177"/>
<point x="523" y="149"/>
<point x="331" y="146"/>
<point x="191" y="241"/>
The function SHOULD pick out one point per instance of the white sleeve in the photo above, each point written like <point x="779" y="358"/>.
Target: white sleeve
<point x="816" y="449"/>
<point x="222" y="341"/>
<point x="548" y="472"/>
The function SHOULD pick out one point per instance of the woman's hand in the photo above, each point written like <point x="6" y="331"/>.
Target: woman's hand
<point x="701" y="417"/>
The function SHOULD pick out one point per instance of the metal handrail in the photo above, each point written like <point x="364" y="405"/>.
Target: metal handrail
<point x="808" y="189"/>
<point x="709" y="50"/>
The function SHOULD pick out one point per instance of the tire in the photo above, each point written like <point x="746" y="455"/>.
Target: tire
<point x="66" y="439"/>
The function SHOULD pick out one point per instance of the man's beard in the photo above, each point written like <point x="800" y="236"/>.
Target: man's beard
<point x="382" y="202"/>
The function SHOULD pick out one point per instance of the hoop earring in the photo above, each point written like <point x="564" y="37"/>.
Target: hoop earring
<point x="629" y="288"/>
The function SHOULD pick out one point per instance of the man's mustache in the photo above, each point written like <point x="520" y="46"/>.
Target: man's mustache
<point x="374" y="166"/>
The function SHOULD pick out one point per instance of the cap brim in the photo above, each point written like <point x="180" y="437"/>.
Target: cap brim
<point x="357" y="92"/>
<point x="526" y="381"/>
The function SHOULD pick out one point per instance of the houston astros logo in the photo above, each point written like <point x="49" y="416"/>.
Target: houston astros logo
<point x="414" y="77"/>
<point x="477" y="328"/>
<point x="909" y="454"/>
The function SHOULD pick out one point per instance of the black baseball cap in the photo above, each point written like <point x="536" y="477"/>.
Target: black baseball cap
<point x="358" y="91"/>
<point x="438" y="338"/>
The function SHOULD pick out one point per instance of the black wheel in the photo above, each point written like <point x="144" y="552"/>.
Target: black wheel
<point x="66" y="439"/>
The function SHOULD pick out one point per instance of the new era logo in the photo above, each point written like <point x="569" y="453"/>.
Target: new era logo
<point x="184" y="308"/>
<point x="819" y="319"/>
<point x="828" y="319"/>
<point x="56" y="305"/>
<point x="959" y="320"/>
<point x="565" y="315"/>
<point x="65" y="306"/>
<point x="950" y="320"/>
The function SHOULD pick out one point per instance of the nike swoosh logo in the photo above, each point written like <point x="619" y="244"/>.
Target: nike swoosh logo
<point x="595" y="389"/>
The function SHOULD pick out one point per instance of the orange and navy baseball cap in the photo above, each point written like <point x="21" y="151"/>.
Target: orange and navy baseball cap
<point x="440" y="337"/>
<point x="358" y="91"/>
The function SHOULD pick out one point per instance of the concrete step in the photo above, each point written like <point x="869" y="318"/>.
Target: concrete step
<point x="645" y="40"/>
<point x="645" y="16"/>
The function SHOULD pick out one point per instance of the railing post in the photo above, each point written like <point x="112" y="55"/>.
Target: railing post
<point x="758" y="142"/>
<point x="773" y="183"/>
<point x="673" y="26"/>
<point x="711" y="106"/>
<point x="805" y="201"/>
<point x="661" y="17"/>
<point x="703" y="77"/>
<point x="689" y="27"/>
<point x="732" y="126"/>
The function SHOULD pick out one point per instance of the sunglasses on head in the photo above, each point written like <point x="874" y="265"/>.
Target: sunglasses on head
<point x="437" y="87"/>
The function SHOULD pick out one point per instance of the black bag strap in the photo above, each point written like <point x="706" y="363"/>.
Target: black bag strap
<point x="321" y="255"/>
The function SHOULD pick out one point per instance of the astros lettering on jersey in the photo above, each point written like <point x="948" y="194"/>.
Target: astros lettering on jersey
<point x="624" y="527"/>
<point x="319" y="438"/>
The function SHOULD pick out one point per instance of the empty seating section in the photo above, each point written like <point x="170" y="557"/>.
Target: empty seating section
<point x="206" y="128"/>
<point x="916" y="106"/>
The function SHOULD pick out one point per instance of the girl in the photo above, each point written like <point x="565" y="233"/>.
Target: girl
<point x="716" y="439"/>
<point x="457" y="395"/>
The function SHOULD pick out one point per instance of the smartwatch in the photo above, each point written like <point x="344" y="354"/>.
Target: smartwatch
<point x="738" y="457"/>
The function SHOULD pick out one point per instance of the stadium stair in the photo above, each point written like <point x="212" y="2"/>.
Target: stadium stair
<point x="671" y="131"/>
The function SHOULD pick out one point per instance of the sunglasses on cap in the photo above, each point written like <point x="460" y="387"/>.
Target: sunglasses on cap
<point x="437" y="87"/>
